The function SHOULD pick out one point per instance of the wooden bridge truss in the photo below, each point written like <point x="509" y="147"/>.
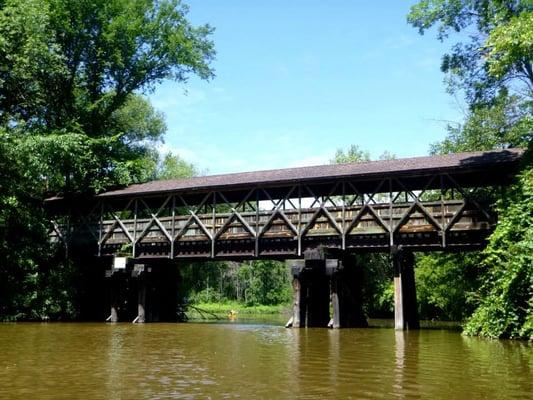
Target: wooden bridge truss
<point x="322" y="214"/>
<point x="420" y="212"/>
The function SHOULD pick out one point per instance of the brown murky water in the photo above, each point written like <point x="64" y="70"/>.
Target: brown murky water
<point x="255" y="361"/>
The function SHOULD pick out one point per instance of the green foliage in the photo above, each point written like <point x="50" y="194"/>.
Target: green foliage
<point x="225" y="307"/>
<point x="351" y="155"/>
<point x="510" y="46"/>
<point x="267" y="282"/>
<point x="494" y="69"/>
<point x="508" y="122"/>
<point x="251" y="283"/>
<point x="488" y="284"/>
<point x="378" y="288"/>
<point x="174" y="167"/>
<point x="74" y="69"/>
<point x="99" y="53"/>
<point x="498" y="52"/>
<point x="355" y="154"/>
<point x="73" y="119"/>
<point x="506" y="309"/>
<point x="387" y="155"/>
<point x="29" y="287"/>
<point x="446" y="285"/>
<point x="30" y="60"/>
<point x="494" y="285"/>
<point x="136" y="121"/>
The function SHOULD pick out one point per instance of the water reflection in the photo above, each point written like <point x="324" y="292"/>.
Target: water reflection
<point x="334" y="357"/>
<point x="114" y="367"/>
<point x="406" y="366"/>
<point x="126" y="361"/>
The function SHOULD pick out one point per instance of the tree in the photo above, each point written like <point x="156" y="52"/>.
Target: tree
<point x="507" y="123"/>
<point x="494" y="69"/>
<point x="498" y="54"/>
<point x="174" y="167"/>
<point x="75" y="68"/>
<point x="352" y="155"/>
<point x="268" y="282"/>
<point x="446" y="285"/>
<point x="506" y="306"/>
<point x="73" y="119"/>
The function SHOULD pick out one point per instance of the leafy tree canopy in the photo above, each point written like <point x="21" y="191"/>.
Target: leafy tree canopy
<point x="73" y="118"/>
<point x="72" y="70"/>
<point x="351" y="155"/>
<point x="497" y="52"/>
<point x="506" y="123"/>
<point x="355" y="154"/>
<point x="506" y="306"/>
<point x="493" y="66"/>
<point x="174" y="167"/>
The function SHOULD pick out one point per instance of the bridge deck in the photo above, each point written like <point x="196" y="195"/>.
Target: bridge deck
<point x="422" y="203"/>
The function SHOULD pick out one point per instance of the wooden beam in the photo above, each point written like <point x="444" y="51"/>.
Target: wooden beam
<point x="405" y="307"/>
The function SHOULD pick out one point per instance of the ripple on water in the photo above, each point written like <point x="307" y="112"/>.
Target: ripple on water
<point x="55" y="361"/>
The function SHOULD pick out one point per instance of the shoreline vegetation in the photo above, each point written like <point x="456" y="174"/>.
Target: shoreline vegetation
<point x="233" y="311"/>
<point x="233" y="307"/>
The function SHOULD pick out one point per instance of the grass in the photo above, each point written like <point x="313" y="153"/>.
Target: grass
<point x="226" y="307"/>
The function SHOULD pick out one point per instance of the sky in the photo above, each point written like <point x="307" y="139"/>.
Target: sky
<point x="296" y="80"/>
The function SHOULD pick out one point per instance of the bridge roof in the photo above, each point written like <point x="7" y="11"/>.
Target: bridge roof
<point x="458" y="162"/>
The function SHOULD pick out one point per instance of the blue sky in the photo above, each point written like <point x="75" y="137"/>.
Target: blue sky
<point x="295" y="80"/>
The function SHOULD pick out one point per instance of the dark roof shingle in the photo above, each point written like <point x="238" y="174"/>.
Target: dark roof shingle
<point x="472" y="160"/>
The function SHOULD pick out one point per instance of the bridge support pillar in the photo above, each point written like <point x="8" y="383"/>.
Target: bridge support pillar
<point x="144" y="293"/>
<point x="319" y="281"/>
<point x="140" y="273"/>
<point x="163" y="293"/>
<point x="405" y="307"/>
<point x="311" y="294"/>
<point x="114" y="296"/>
<point x="297" y="306"/>
<point x="141" y="303"/>
<point x="346" y="294"/>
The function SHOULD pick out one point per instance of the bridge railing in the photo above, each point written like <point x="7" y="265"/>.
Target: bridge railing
<point x="282" y="229"/>
<point x="351" y="220"/>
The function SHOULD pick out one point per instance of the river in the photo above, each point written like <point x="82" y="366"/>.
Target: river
<point x="255" y="361"/>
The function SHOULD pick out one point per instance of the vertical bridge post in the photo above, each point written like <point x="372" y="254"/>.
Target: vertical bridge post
<point x="317" y="281"/>
<point x="347" y="294"/>
<point x="114" y="295"/>
<point x="139" y="272"/>
<point x="115" y="289"/>
<point x="144" y="292"/>
<point x="405" y="307"/>
<point x="310" y="291"/>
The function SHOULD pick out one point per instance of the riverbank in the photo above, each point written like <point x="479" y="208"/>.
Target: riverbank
<point x="236" y="310"/>
<point x="239" y="308"/>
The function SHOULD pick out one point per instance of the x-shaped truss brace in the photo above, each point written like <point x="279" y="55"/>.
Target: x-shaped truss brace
<point x="236" y="215"/>
<point x="366" y="206"/>
<point x="321" y="209"/>
<point x="116" y="222"/>
<point x="417" y="204"/>
<point x="277" y="210"/>
<point x="194" y="218"/>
